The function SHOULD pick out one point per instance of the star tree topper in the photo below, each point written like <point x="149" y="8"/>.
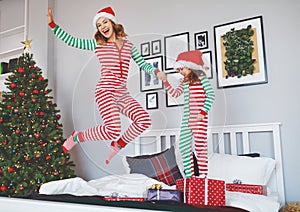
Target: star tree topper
<point x="26" y="44"/>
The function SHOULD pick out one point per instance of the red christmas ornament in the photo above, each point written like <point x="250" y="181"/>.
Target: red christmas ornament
<point x="37" y="135"/>
<point x="33" y="75"/>
<point x="1" y="171"/>
<point x="10" y="169"/>
<point x="21" y="70"/>
<point x="42" y="113"/>
<point x="18" y="131"/>
<point x="8" y="106"/>
<point x="22" y="93"/>
<point x="13" y="85"/>
<point x="35" y="91"/>
<point x="32" y="66"/>
<point x="3" y="188"/>
<point x="58" y="116"/>
<point x="16" y="110"/>
<point x="48" y="157"/>
<point x="33" y="100"/>
<point x="46" y="92"/>
<point x="49" y="102"/>
<point x="41" y="78"/>
<point x="1" y="120"/>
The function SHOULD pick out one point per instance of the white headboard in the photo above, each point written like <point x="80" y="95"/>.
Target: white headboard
<point x="225" y="139"/>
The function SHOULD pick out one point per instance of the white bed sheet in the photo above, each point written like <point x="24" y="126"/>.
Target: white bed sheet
<point x="127" y="185"/>
<point x="135" y="185"/>
<point x="252" y="202"/>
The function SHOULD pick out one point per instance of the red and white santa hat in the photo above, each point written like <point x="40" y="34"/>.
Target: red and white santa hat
<point x="106" y="12"/>
<point x="192" y="60"/>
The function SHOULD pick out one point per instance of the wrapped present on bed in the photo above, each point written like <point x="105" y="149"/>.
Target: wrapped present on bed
<point x="137" y="199"/>
<point x="164" y="194"/>
<point x="247" y="188"/>
<point x="202" y="191"/>
<point x="115" y="196"/>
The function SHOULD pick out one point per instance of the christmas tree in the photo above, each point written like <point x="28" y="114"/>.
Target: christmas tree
<point x="31" y="135"/>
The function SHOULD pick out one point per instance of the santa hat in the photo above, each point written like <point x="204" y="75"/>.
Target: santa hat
<point x="192" y="60"/>
<point x="106" y="12"/>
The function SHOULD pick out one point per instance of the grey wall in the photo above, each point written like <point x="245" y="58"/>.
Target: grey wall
<point x="74" y="72"/>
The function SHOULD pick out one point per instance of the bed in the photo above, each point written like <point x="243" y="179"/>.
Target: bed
<point x="229" y="147"/>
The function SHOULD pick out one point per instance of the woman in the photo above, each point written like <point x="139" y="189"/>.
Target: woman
<point x="114" y="52"/>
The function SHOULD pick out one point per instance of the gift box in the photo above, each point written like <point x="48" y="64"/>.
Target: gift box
<point x="202" y="191"/>
<point x="164" y="194"/>
<point x="247" y="188"/>
<point x="137" y="199"/>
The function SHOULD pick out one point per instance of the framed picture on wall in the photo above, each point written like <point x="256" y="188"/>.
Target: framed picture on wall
<point x="240" y="53"/>
<point x="156" y="47"/>
<point x="145" y="49"/>
<point x="201" y="40"/>
<point x="150" y="82"/>
<point x="208" y="58"/>
<point x="151" y="100"/>
<point x="174" y="79"/>
<point x="175" y="44"/>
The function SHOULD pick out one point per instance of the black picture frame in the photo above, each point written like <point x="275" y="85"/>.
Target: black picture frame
<point x="174" y="78"/>
<point x="175" y="44"/>
<point x="156" y="47"/>
<point x="152" y="101"/>
<point x="145" y="49"/>
<point x="207" y="55"/>
<point x="201" y="40"/>
<point x="255" y="69"/>
<point x="150" y="82"/>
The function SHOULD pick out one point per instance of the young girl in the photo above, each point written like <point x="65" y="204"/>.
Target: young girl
<point x="198" y="99"/>
<point x="114" y="53"/>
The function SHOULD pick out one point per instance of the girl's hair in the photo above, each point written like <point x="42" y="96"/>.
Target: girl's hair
<point x="194" y="76"/>
<point x="119" y="30"/>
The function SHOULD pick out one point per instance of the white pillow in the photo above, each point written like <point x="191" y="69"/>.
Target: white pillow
<point x="249" y="170"/>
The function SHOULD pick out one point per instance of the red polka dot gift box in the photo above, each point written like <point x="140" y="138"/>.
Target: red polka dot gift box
<point x="247" y="188"/>
<point x="202" y="191"/>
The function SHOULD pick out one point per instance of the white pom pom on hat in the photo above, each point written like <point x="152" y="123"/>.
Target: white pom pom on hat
<point x="106" y="12"/>
<point x="192" y="60"/>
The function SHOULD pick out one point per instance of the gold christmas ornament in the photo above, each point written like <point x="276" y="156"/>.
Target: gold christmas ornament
<point x="26" y="44"/>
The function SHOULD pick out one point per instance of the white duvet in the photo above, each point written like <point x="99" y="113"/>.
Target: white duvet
<point x="136" y="185"/>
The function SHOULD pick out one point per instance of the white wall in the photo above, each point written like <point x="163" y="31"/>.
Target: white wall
<point x="75" y="71"/>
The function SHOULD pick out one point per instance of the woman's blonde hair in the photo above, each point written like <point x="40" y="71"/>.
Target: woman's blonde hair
<point x="119" y="30"/>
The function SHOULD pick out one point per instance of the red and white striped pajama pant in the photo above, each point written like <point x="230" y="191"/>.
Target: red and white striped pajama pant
<point x="111" y="104"/>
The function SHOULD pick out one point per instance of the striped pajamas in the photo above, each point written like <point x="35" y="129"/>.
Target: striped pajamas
<point x="198" y="98"/>
<point x="111" y="92"/>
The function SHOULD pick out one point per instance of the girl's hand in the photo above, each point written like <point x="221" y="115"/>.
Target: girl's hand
<point x="50" y="15"/>
<point x="200" y="117"/>
<point x="162" y="76"/>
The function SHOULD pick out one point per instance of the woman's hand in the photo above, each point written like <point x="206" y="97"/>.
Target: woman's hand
<point x="162" y="76"/>
<point x="50" y="15"/>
